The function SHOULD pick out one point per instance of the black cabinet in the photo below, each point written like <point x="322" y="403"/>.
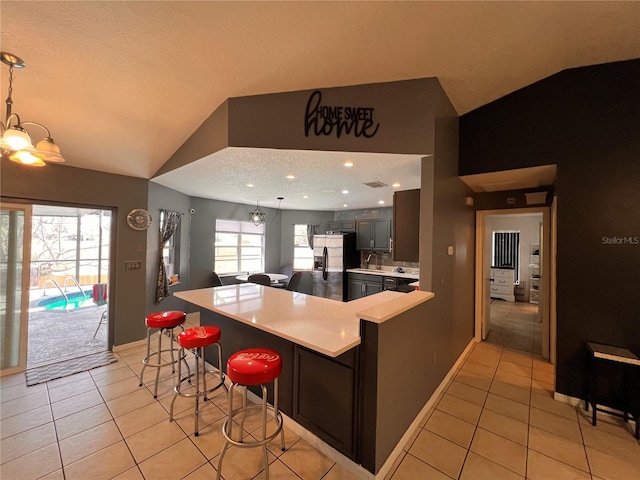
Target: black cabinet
<point x="361" y="285"/>
<point x="325" y="397"/>
<point x="342" y="226"/>
<point x="374" y="234"/>
<point x="406" y="225"/>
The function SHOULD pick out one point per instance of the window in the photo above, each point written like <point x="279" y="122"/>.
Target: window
<point x="506" y="250"/>
<point x="239" y="247"/>
<point x="302" y="253"/>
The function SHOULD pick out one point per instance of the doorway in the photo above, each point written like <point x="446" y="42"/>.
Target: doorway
<point x="69" y="283"/>
<point x="513" y="305"/>
<point x="15" y="237"/>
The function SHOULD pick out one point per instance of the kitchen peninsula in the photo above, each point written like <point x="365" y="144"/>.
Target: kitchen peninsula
<point x="332" y="356"/>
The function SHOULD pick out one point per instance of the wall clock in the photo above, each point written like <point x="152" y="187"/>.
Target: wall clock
<point x="139" y="219"/>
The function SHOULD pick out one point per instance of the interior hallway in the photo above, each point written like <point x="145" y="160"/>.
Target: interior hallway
<point x="495" y="419"/>
<point x="515" y="325"/>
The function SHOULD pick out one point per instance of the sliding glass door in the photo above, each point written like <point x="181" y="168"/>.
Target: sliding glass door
<point x="15" y="238"/>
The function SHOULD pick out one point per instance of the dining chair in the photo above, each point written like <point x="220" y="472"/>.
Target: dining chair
<point x="294" y="282"/>
<point x="215" y="280"/>
<point x="260" y="279"/>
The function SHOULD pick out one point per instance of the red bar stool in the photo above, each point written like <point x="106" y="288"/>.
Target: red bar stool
<point x="165" y="322"/>
<point x="254" y="366"/>
<point x="196" y="339"/>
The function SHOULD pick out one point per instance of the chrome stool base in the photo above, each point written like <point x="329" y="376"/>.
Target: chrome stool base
<point x="158" y="363"/>
<point x="197" y="379"/>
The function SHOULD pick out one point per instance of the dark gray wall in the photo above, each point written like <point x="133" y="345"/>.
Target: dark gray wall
<point x="438" y="331"/>
<point x="278" y="120"/>
<point x="294" y="217"/>
<point x="203" y="226"/>
<point x="161" y="197"/>
<point x="210" y="137"/>
<point x="61" y="184"/>
<point x="587" y="122"/>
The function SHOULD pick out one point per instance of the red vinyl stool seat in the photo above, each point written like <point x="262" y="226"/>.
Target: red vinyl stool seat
<point x="165" y="322"/>
<point x="253" y="366"/>
<point x="196" y="339"/>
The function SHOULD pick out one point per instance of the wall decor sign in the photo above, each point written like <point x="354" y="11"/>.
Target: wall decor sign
<point x="328" y="120"/>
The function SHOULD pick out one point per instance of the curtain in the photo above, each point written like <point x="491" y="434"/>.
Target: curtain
<point x="311" y="231"/>
<point x="167" y="229"/>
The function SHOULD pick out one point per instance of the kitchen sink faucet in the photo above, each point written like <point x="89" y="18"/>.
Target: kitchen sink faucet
<point x="369" y="258"/>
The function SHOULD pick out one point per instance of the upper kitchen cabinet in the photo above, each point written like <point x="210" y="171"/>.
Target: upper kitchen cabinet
<point x="342" y="226"/>
<point x="406" y="225"/>
<point x="374" y="234"/>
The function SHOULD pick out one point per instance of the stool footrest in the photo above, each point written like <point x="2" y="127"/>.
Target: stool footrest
<point x="177" y="389"/>
<point x="277" y="417"/>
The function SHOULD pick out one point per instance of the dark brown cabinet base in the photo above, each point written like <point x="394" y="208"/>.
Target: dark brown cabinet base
<point x="324" y="397"/>
<point x="318" y="392"/>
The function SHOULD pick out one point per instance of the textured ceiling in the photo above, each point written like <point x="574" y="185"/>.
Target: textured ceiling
<point x="122" y="85"/>
<point x="321" y="182"/>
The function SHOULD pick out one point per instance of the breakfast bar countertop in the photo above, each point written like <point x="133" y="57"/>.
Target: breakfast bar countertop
<point x="326" y="326"/>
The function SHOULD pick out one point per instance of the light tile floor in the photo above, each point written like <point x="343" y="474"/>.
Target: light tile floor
<point x="495" y="420"/>
<point x="515" y="325"/>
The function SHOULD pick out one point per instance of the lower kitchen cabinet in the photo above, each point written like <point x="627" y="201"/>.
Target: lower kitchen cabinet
<point x="361" y="285"/>
<point x="325" y="397"/>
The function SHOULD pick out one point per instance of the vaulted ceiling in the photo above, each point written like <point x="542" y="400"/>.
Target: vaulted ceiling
<point x="122" y="84"/>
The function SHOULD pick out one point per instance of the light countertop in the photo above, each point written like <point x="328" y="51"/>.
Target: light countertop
<point x="384" y="273"/>
<point x="320" y="324"/>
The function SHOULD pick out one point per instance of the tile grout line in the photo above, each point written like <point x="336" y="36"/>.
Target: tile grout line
<point x="476" y="426"/>
<point x="55" y="429"/>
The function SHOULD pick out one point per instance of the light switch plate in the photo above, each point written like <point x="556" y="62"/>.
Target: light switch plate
<point x="450" y="250"/>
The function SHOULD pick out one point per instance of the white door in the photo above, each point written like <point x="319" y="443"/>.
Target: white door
<point x="15" y="253"/>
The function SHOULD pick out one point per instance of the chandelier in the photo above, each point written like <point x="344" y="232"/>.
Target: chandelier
<point x="257" y="216"/>
<point x="15" y="142"/>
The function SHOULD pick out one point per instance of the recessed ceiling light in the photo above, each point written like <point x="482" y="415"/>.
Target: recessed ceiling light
<point x="395" y="185"/>
<point x="349" y="163"/>
<point x="380" y="202"/>
<point x="291" y="177"/>
<point x="345" y="205"/>
<point x="305" y="196"/>
<point x="345" y="191"/>
<point x="250" y="185"/>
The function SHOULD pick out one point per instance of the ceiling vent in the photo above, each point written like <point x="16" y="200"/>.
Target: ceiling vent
<point x="376" y="184"/>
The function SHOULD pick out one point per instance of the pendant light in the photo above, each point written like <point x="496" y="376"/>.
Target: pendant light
<point x="15" y="142"/>
<point x="257" y="216"/>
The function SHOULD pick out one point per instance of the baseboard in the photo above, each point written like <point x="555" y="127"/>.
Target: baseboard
<point x="127" y="346"/>
<point x="193" y="318"/>
<point x="397" y="451"/>
<point x="573" y="401"/>
<point x="317" y="443"/>
<point x="349" y="464"/>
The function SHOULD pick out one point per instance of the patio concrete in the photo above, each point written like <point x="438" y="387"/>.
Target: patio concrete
<point x="56" y="335"/>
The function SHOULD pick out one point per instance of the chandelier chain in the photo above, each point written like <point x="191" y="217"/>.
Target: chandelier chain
<point x="9" y="101"/>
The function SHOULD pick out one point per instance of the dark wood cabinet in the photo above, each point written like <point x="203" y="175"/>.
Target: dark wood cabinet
<point x="374" y="234"/>
<point x="325" y="397"/>
<point x="361" y="285"/>
<point x="406" y="225"/>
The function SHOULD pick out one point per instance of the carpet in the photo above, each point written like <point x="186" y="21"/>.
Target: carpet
<point x="52" y="371"/>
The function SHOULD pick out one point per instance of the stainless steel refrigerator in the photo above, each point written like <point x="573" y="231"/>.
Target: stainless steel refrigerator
<point x="332" y="255"/>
